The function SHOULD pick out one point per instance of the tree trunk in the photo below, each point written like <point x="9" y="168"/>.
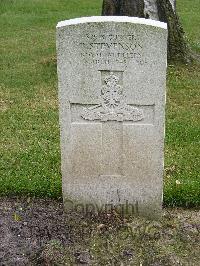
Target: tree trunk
<point x="162" y="10"/>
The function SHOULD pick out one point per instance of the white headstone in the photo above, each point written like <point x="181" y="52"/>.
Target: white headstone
<point x="112" y="74"/>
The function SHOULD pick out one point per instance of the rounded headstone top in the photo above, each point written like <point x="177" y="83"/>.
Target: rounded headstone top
<point x="120" y="19"/>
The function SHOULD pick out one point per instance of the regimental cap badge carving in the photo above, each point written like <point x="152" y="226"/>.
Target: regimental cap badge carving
<point x="113" y="106"/>
<point x="111" y="79"/>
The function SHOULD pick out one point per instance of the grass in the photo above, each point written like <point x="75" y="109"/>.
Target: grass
<point x="182" y="184"/>
<point x="188" y="11"/>
<point x="30" y="152"/>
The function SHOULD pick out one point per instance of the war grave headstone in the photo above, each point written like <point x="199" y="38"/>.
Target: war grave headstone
<point x="112" y="75"/>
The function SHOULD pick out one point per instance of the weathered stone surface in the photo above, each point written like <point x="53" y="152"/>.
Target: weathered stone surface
<point x="111" y="73"/>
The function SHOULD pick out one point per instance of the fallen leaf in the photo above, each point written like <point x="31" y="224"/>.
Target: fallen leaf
<point x="100" y="226"/>
<point x="17" y="218"/>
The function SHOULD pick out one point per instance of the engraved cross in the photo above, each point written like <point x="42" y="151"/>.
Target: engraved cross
<point x="111" y="111"/>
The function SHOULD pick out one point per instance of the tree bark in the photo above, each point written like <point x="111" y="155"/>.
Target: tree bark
<point x="177" y="47"/>
<point x="173" y="3"/>
<point x="162" y="10"/>
<point x="123" y="8"/>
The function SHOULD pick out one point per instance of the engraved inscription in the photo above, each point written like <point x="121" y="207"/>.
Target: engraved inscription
<point x="106" y="49"/>
<point x="113" y="106"/>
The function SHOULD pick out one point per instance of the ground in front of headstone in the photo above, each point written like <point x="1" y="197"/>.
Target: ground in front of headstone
<point x="36" y="232"/>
